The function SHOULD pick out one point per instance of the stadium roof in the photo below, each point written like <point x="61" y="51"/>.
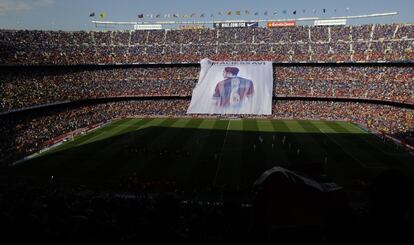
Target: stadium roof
<point x="178" y="22"/>
<point x="77" y="14"/>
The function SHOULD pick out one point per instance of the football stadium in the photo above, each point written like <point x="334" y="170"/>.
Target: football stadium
<point x="280" y="125"/>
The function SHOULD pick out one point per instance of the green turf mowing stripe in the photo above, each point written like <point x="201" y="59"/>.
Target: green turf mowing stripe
<point x="309" y="144"/>
<point x="165" y="135"/>
<point x="144" y="138"/>
<point x="181" y="123"/>
<point x="294" y="142"/>
<point x="187" y="123"/>
<point x="151" y="122"/>
<point x="181" y="144"/>
<point x="294" y="126"/>
<point x="159" y="169"/>
<point x="384" y="146"/>
<point x="270" y="142"/>
<point x="236" y="125"/>
<point x="323" y="144"/>
<point x="228" y="169"/>
<point x="288" y="145"/>
<point x="207" y="123"/>
<point x="84" y="138"/>
<point x="124" y="127"/>
<point x="249" y="125"/>
<point x="132" y="159"/>
<point x="280" y="156"/>
<point x="120" y="128"/>
<point x="362" y="152"/>
<point x="280" y="126"/>
<point x="255" y="158"/>
<point x="101" y="160"/>
<point x="323" y="127"/>
<point x="264" y="126"/>
<point x="352" y="128"/>
<point x="159" y="126"/>
<point x="173" y="138"/>
<point x="222" y="124"/>
<point x="384" y="152"/>
<point x="135" y="125"/>
<point x="98" y="151"/>
<point x="208" y="154"/>
<point x="340" y="163"/>
<point x="140" y="141"/>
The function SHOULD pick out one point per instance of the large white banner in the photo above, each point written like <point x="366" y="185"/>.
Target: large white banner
<point x="233" y="87"/>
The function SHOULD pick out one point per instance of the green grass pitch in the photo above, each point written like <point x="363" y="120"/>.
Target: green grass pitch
<point x="218" y="152"/>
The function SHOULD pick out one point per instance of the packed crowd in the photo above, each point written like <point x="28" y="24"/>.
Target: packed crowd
<point x="293" y="44"/>
<point x="33" y="131"/>
<point x="387" y="83"/>
<point x="26" y="88"/>
<point x="383" y="118"/>
<point x="23" y="88"/>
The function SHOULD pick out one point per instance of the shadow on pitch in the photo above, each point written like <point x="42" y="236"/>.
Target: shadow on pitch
<point x="202" y="157"/>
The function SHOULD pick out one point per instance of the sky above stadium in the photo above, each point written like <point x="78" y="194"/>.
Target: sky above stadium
<point x="75" y="14"/>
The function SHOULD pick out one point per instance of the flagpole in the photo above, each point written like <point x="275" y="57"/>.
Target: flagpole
<point x="174" y="22"/>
